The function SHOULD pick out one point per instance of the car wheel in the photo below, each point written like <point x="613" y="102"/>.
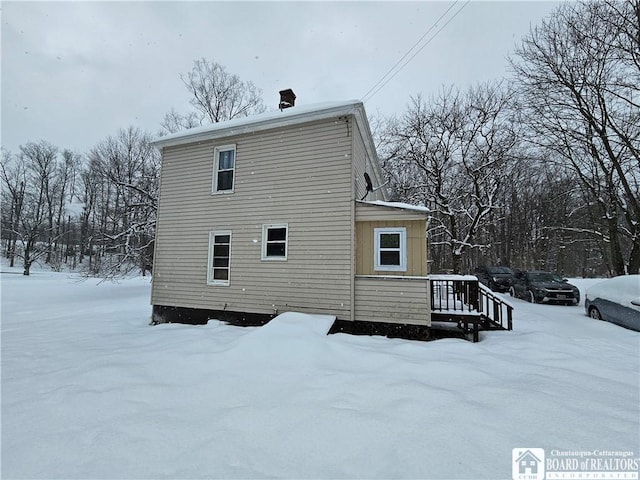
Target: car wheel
<point x="512" y="292"/>
<point x="532" y="297"/>
<point x="595" y="313"/>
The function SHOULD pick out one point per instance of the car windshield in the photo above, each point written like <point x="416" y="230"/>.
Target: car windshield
<point x="544" y="277"/>
<point x="494" y="270"/>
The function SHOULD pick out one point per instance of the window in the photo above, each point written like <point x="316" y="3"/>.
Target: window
<point x="274" y="242"/>
<point x="224" y="166"/>
<point x="390" y="245"/>
<point x="219" y="257"/>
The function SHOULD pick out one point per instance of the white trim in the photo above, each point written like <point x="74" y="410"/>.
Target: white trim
<point x="210" y="279"/>
<point x="265" y="229"/>
<point x="216" y="164"/>
<point x="378" y="267"/>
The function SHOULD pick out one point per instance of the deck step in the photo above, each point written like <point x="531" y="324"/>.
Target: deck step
<point x="462" y="300"/>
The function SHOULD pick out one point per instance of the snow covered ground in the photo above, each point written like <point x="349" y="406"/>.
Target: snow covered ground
<point x="90" y="390"/>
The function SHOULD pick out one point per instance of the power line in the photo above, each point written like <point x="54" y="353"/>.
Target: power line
<point x="373" y="90"/>
<point x="409" y="51"/>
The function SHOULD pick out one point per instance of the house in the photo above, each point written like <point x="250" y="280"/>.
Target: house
<point x="285" y="211"/>
<point x="527" y="463"/>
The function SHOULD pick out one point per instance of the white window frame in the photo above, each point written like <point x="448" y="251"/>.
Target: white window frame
<point x="211" y="280"/>
<point x="216" y="164"/>
<point x="265" y="230"/>
<point x="402" y="231"/>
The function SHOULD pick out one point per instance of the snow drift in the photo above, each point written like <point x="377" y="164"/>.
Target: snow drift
<point x="90" y="390"/>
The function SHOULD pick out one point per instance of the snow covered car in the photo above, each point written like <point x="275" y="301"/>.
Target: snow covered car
<point x="544" y="287"/>
<point x="497" y="279"/>
<point x="616" y="300"/>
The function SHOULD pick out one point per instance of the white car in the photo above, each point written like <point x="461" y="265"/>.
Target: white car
<point x="616" y="300"/>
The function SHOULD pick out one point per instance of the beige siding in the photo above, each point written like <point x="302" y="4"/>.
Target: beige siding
<point x="392" y="300"/>
<point x="416" y="247"/>
<point x="297" y="175"/>
<point x="362" y="162"/>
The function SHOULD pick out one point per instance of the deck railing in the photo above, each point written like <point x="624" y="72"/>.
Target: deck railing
<point x="454" y="293"/>
<point x="494" y="308"/>
<point x="462" y="299"/>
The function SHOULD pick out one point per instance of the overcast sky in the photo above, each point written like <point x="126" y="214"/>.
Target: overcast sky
<point x="74" y="73"/>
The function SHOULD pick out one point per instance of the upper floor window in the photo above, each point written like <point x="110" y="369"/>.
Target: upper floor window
<point x="390" y="249"/>
<point x="224" y="167"/>
<point x="274" y="242"/>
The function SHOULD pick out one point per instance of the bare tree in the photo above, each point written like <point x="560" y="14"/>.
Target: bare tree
<point x="216" y="95"/>
<point x="174" y="122"/>
<point x="33" y="225"/>
<point x="579" y="79"/>
<point x="39" y="186"/>
<point x="452" y="154"/>
<point x="90" y="182"/>
<point x="59" y="188"/>
<point x="544" y="221"/>
<point x="14" y="178"/>
<point x="126" y="201"/>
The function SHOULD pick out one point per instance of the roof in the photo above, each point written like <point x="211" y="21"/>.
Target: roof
<point x="527" y="453"/>
<point x="403" y="206"/>
<point x="254" y="123"/>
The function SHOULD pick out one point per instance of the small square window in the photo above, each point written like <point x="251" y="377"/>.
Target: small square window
<point x="274" y="242"/>
<point x="390" y="249"/>
<point x="224" y="167"/>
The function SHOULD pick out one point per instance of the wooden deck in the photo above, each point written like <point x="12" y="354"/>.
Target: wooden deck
<point x="462" y="300"/>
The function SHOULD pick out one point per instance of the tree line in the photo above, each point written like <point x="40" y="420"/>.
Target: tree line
<point x="540" y="170"/>
<point x="96" y="212"/>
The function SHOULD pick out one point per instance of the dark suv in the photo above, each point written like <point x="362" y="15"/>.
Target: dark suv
<point x="497" y="279"/>
<point x="544" y="287"/>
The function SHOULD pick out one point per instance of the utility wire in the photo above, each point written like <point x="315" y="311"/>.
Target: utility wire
<point x="373" y="90"/>
<point x="435" y="24"/>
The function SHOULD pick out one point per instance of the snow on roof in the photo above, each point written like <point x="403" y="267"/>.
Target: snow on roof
<point x="238" y="126"/>
<point x="404" y="206"/>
